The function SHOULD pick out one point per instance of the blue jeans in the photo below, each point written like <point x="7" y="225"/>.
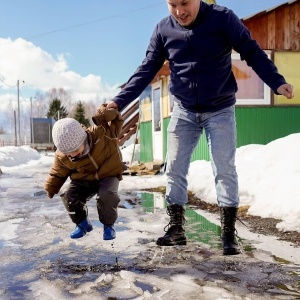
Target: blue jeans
<point x="184" y="131"/>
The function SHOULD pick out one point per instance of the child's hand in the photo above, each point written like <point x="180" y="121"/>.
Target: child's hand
<point x="50" y="195"/>
<point x="101" y="109"/>
<point x="104" y="115"/>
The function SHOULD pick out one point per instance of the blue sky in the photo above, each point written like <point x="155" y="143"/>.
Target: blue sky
<point x="93" y="42"/>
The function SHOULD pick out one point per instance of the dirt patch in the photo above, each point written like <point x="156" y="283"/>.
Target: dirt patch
<point x="266" y="226"/>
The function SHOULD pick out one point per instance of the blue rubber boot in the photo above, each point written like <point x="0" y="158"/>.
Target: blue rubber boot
<point x="81" y="229"/>
<point x="109" y="232"/>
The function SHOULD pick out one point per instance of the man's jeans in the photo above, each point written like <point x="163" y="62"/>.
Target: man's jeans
<point x="184" y="131"/>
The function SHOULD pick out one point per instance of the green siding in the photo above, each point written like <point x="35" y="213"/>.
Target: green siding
<point x="146" y="150"/>
<point x="258" y="125"/>
<point x="200" y="151"/>
<point x="261" y="125"/>
<point x="165" y="127"/>
<point x="255" y="125"/>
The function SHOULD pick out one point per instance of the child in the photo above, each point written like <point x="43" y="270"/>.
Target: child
<point x="92" y="159"/>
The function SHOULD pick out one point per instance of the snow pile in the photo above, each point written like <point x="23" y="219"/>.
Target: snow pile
<point x="268" y="177"/>
<point x="268" y="180"/>
<point x="13" y="156"/>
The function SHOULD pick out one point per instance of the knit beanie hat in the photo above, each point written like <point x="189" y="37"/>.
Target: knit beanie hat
<point x="68" y="135"/>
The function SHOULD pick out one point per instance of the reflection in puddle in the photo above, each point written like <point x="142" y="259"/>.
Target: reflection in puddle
<point x="198" y="228"/>
<point x="291" y="290"/>
<point x="152" y="202"/>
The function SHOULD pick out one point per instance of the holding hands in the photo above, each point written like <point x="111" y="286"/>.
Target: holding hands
<point x="112" y="104"/>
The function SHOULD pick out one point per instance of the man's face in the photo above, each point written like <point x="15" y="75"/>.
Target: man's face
<point x="184" y="11"/>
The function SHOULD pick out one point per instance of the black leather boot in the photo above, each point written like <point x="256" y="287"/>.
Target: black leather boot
<point x="175" y="234"/>
<point x="228" y="232"/>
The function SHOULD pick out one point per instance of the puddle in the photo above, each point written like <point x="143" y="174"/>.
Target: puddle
<point x="80" y="265"/>
<point x="39" y="193"/>
<point x="198" y="228"/>
<point x="18" y="291"/>
<point x="21" y="280"/>
<point x="291" y="290"/>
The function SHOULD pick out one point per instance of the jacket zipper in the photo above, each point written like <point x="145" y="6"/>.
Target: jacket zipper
<point x="194" y="83"/>
<point x="95" y="165"/>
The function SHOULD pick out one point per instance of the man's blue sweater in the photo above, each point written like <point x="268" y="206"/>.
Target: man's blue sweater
<point x="200" y="60"/>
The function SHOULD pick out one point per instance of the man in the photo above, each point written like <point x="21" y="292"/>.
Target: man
<point x="197" y="39"/>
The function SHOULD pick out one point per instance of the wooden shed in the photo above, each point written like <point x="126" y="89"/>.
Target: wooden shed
<point x="277" y="28"/>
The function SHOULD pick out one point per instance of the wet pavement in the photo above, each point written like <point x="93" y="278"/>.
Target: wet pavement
<point x="40" y="261"/>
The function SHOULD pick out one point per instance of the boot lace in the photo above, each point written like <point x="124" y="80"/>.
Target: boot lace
<point x="176" y="213"/>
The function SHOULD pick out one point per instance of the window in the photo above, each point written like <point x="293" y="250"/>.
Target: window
<point x="251" y="89"/>
<point x="170" y="99"/>
<point x="156" y="110"/>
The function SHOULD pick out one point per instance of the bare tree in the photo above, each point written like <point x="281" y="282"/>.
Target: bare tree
<point x="59" y="93"/>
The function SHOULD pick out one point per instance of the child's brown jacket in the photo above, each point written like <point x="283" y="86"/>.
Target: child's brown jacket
<point x="104" y="159"/>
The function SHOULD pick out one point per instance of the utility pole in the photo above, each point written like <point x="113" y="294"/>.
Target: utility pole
<point x="31" y="122"/>
<point x="16" y="143"/>
<point x="19" y="126"/>
<point x="19" y="115"/>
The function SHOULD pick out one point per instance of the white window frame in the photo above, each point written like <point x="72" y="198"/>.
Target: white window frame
<point x="169" y="96"/>
<point x="267" y="91"/>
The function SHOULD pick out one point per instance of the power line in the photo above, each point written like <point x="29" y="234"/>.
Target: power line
<point x="12" y="86"/>
<point x="92" y="22"/>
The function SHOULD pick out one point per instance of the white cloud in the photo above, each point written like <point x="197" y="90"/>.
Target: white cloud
<point x="22" y="60"/>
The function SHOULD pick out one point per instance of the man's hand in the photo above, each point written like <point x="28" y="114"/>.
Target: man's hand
<point x="112" y="104"/>
<point x="286" y="90"/>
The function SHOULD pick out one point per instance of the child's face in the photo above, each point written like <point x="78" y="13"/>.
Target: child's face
<point x="77" y="153"/>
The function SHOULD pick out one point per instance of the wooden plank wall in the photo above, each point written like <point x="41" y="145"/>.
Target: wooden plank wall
<point x="278" y="29"/>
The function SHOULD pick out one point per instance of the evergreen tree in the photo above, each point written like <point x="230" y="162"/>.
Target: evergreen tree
<point x="56" y="110"/>
<point x="80" y="115"/>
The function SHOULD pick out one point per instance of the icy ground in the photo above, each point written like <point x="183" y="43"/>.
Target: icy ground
<point x="40" y="261"/>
